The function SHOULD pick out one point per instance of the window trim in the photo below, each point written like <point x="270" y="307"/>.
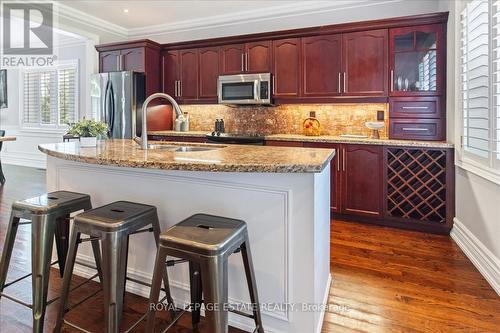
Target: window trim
<point x="50" y="128"/>
<point x="487" y="168"/>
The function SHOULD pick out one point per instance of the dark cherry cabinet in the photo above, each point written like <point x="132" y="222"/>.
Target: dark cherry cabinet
<point x="109" y="61"/>
<point x="286" y="67"/>
<point x="133" y="59"/>
<point x="232" y="59"/>
<point x="180" y="74"/>
<point x="362" y="167"/>
<point x="139" y="56"/>
<point x="321" y="66"/>
<point x="335" y="174"/>
<point x="365" y="63"/>
<point x="208" y="63"/>
<point x="258" y="57"/>
<point x="170" y="65"/>
<point x="188" y="74"/>
<point x="417" y="70"/>
<point x="416" y="60"/>
<point x="254" y="57"/>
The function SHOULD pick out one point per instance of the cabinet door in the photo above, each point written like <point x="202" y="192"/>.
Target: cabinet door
<point x="133" y="59"/>
<point x="321" y="65"/>
<point x="170" y="65"/>
<point x="109" y="61"/>
<point x="362" y="166"/>
<point x="209" y="71"/>
<point x="416" y="60"/>
<point x="188" y="74"/>
<point x="258" y="57"/>
<point x="233" y="59"/>
<point x="365" y="63"/>
<point x="286" y="67"/>
<point x="335" y="174"/>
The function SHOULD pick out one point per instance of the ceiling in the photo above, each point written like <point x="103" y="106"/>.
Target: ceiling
<point x="147" y="13"/>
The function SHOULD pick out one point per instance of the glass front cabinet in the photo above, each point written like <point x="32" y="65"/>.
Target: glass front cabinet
<point x="417" y="109"/>
<point x="416" y="60"/>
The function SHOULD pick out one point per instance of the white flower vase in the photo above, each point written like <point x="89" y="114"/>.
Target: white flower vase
<point x="88" y="141"/>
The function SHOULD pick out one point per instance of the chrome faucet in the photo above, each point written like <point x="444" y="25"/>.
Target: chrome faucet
<point x="143" y="139"/>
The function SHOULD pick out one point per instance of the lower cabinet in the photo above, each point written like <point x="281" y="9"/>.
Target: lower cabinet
<point x="404" y="187"/>
<point x="362" y="168"/>
<point x="355" y="178"/>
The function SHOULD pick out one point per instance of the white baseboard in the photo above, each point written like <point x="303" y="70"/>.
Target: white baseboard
<point x="484" y="260"/>
<point x="25" y="159"/>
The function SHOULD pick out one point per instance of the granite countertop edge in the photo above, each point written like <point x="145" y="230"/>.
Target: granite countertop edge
<point x="191" y="166"/>
<point x="326" y="139"/>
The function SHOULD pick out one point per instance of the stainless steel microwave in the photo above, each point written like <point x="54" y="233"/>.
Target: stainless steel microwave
<point x="244" y="89"/>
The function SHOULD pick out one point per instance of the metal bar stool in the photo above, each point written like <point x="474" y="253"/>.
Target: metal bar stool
<point x="49" y="218"/>
<point x="207" y="241"/>
<point x="111" y="225"/>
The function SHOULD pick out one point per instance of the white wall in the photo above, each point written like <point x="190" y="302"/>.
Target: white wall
<point x="24" y="151"/>
<point x="477" y="222"/>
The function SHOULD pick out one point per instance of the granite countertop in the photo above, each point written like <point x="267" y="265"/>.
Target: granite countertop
<point x="225" y="158"/>
<point x="326" y="139"/>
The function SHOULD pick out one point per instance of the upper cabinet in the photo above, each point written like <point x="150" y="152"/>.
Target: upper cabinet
<point x="208" y="63"/>
<point x="286" y="67"/>
<point x="180" y="74"/>
<point x="365" y="63"/>
<point x="321" y="66"/>
<point x="139" y="56"/>
<point x="416" y="60"/>
<point x="190" y="75"/>
<point x="252" y="57"/>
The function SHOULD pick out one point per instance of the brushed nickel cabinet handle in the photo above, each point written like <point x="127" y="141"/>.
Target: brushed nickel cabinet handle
<point x="344" y="83"/>
<point x="180" y="88"/>
<point x="242" y="62"/>
<point x="392" y="80"/>
<point x="246" y="61"/>
<point x="175" y="88"/>
<point x="415" y="129"/>
<point x="274" y="85"/>
<point x="338" y="159"/>
<point x="414" y="107"/>
<point x="338" y="88"/>
<point x="343" y="159"/>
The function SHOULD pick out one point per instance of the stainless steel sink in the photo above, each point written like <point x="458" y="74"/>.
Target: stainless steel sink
<point x="183" y="149"/>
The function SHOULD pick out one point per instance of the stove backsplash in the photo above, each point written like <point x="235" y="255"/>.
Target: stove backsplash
<point x="335" y="119"/>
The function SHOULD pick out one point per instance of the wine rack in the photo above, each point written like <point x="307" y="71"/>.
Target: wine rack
<point x="416" y="184"/>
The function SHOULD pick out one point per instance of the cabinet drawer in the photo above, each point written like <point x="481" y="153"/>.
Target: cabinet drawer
<point x="417" y="129"/>
<point x="421" y="108"/>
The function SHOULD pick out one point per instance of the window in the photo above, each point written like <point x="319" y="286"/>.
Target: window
<point x="50" y="96"/>
<point x="480" y="84"/>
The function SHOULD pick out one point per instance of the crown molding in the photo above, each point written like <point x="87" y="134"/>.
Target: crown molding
<point x="245" y="17"/>
<point x="253" y="16"/>
<point x="89" y="20"/>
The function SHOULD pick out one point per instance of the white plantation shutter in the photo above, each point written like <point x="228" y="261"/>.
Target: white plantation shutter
<point x="496" y="80"/>
<point x="475" y="78"/>
<point x="50" y="97"/>
<point x="67" y="95"/>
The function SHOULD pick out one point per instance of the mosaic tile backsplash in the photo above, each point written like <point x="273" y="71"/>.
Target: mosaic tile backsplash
<point x="336" y="119"/>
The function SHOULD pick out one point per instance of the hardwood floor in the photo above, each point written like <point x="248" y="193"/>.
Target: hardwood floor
<point x="384" y="280"/>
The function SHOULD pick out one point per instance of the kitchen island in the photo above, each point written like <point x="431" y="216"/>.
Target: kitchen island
<point x="282" y="193"/>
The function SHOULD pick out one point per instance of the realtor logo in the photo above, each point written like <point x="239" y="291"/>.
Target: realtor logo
<point x="27" y="28"/>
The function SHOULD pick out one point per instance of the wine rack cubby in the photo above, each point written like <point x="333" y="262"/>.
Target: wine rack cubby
<point x="417" y="184"/>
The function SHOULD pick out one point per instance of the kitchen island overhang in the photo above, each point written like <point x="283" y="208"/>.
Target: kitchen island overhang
<point x="283" y="195"/>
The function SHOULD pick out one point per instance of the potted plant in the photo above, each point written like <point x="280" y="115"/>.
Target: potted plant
<point x="88" y="131"/>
